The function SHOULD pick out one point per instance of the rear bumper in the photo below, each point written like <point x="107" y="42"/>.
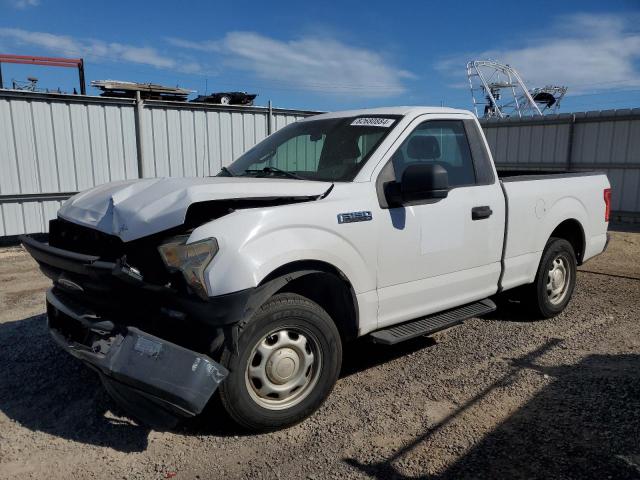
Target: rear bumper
<point x="154" y="379"/>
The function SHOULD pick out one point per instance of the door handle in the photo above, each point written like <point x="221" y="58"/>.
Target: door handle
<point x="478" y="213"/>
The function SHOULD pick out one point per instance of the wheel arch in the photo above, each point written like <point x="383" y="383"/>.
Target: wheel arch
<point x="572" y="231"/>
<point x="321" y="283"/>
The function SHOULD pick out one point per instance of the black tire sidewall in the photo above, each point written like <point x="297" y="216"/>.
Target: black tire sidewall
<point x="555" y="247"/>
<point x="281" y="311"/>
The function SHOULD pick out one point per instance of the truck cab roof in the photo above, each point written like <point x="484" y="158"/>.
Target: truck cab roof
<point x="402" y="110"/>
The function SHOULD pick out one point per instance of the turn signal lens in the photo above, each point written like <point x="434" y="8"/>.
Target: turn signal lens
<point x="607" y="204"/>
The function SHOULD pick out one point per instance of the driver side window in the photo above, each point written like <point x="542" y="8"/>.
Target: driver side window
<point x="440" y="142"/>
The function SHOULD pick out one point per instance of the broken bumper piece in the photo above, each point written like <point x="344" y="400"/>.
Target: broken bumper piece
<point x="155" y="380"/>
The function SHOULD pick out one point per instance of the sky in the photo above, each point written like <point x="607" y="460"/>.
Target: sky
<point x="334" y="55"/>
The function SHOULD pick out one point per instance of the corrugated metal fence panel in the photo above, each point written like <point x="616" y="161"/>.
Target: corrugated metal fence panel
<point x="602" y="140"/>
<point x="53" y="145"/>
<point x="283" y="119"/>
<point x="529" y="142"/>
<point x="198" y="141"/>
<point x="610" y="141"/>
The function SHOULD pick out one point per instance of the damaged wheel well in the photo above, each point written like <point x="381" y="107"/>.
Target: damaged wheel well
<point x="327" y="286"/>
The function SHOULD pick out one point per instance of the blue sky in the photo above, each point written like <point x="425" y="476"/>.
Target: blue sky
<point x="335" y="55"/>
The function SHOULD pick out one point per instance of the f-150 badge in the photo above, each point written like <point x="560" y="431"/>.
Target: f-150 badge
<point x="352" y="217"/>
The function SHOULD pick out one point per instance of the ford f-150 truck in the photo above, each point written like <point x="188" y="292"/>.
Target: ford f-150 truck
<point x="389" y="223"/>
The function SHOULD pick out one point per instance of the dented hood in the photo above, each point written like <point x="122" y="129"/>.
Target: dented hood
<point x="137" y="208"/>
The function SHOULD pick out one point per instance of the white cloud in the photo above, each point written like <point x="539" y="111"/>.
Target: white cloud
<point x="309" y="63"/>
<point x="96" y="50"/>
<point x="584" y="52"/>
<point x="22" y="4"/>
<point x="206" y="46"/>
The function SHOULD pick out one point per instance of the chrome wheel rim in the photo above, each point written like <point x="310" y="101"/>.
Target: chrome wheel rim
<point x="283" y="368"/>
<point x="558" y="280"/>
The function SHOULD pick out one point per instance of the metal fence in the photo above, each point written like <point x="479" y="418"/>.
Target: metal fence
<point x="607" y="140"/>
<point x="52" y="146"/>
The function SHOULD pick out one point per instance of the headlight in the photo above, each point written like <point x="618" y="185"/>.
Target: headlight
<point x="191" y="259"/>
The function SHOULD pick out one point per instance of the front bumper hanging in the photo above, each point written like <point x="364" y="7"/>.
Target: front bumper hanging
<point x="154" y="378"/>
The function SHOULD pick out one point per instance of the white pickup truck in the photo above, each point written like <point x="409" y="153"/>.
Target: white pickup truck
<point x="389" y="223"/>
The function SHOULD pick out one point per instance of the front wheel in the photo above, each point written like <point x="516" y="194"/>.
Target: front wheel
<point x="555" y="280"/>
<point x="286" y="364"/>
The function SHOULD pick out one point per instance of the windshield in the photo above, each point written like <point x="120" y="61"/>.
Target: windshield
<point x="332" y="150"/>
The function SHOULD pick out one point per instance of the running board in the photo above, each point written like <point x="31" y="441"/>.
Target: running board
<point x="433" y="323"/>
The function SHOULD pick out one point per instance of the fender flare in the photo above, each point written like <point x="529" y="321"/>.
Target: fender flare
<point x="260" y="294"/>
<point x="266" y="290"/>
<point x="255" y="297"/>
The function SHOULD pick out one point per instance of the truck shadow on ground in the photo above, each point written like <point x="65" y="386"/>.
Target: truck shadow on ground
<point x="362" y="354"/>
<point x="584" y="424"/>
<point x="44" y="389"/>
<point x="511" y="308"/>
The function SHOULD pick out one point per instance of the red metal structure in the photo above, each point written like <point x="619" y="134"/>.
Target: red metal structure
<point x="48" y="62"/>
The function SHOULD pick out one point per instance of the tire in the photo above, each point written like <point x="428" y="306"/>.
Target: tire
<point x="287" y="361"/>
<point x="225" y="100"/>
<point x="555" y="280"/>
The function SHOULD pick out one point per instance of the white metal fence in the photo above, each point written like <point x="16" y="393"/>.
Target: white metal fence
<point x="607" y="140"/>
<point x="54" y="145"/>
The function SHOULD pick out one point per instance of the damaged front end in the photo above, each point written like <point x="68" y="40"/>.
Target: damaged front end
<point x="149" y="337"/>
<point x="136" y="309"/>
<point x="154" y="379"/>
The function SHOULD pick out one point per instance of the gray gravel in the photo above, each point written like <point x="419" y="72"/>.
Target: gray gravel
<point x="498" y="397"/>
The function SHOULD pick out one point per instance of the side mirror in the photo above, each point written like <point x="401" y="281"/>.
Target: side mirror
<point x="424" y="181"/>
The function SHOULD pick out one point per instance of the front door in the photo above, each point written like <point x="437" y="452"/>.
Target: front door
<point x="446" y="252"/>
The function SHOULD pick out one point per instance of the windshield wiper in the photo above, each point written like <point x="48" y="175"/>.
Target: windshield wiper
<point x="227" y="171"/>
<point x="276" y="170"/>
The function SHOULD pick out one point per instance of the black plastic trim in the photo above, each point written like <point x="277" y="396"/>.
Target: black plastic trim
<point x="481" y="213"/>
<point x="91" y="272"/>
<point x="432" y="323"/>
<point x="548" y="176"/>
<point x="504" y="237"/>
<point x="46" y="252"/>
<point x="479" y="155"/>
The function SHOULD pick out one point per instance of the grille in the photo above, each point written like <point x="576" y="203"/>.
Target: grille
<point x="76" y="238"/>
<point x="141" y="254"/>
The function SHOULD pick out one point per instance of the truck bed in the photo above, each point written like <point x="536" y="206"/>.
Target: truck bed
<point x="537" y="202"/>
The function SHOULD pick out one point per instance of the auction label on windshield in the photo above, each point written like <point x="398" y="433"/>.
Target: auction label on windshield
<point x="373" y="122"/>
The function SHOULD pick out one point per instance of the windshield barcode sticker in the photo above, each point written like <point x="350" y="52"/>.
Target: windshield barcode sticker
<point x="373" y="122"/>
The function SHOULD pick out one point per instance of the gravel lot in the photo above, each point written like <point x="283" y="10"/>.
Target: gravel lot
<point x="499" y="397"/>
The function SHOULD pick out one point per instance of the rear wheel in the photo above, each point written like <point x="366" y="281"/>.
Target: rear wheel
<point x="555" y="280"/>
<point x="287" y="361"/>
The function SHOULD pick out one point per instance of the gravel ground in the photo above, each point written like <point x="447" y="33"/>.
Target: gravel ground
<point x="498" y="397"/>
